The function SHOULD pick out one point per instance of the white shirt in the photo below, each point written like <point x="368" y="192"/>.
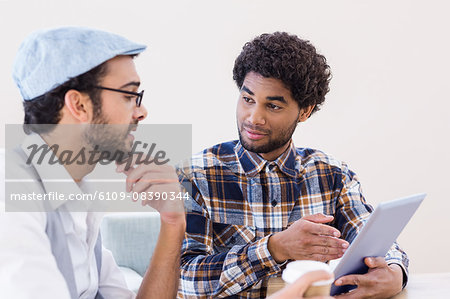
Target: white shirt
<point x="27" y="266"/>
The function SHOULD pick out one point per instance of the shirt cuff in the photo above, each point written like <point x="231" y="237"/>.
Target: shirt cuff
<point x="261" y="260"/>
<point x="405" y="273"/>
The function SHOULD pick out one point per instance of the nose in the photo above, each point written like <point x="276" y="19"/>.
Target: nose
<point x="257" y="116"/>
<point x="140" y="113"/>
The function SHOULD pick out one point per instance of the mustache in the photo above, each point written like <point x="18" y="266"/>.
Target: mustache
<point x="251" y="127"/>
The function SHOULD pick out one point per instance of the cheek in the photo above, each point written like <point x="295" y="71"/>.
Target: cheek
<point x="119" y="113"/>
<point x="279" y="122"/>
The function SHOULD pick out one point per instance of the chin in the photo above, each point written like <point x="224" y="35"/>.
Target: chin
<point x="253" y="146"/>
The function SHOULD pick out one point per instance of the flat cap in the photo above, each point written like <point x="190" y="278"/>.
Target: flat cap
<point x="51" y="57"/>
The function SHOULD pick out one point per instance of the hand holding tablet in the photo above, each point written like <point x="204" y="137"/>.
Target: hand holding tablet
<point x="374" y="240"/>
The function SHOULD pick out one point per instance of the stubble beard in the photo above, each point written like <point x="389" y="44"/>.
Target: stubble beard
<point x="272" y="144"/>
<point x="109" y="138"/>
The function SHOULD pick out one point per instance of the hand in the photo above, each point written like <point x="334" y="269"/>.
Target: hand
<point x="308" y="239"/>
<point x="298" y="288"/>
<point x="156" y="178"/>
<point x="382" y="281"/>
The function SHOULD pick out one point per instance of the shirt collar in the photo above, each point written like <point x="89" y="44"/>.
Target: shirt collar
<point x="252" y="163"/>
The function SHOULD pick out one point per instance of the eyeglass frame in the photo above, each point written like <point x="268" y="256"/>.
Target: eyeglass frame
<point x="139" y="95"/>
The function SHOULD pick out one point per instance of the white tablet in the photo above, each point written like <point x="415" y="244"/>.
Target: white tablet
<point x="376" y="237"/>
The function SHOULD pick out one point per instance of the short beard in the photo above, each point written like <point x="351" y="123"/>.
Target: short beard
<point x="283" y="137"/>
<point x="109" y="138"/>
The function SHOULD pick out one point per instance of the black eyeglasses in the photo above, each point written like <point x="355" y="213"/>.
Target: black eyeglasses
<point x="139" y="95"/>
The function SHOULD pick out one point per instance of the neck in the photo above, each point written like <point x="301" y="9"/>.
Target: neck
<point x="72" y="153"/>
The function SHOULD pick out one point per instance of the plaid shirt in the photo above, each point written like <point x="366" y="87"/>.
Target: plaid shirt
<point x="240" y="199"/>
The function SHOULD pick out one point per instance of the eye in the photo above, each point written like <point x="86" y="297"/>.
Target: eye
<point x="130" y="98"/>
<point x="273" y="107"/>
<point x="247" y="99"/>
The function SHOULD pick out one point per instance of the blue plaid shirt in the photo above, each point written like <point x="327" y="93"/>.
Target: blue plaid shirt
<point x="239" y="200"/>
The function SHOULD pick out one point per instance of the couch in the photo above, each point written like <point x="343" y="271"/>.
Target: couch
<point x="131" y="237"/>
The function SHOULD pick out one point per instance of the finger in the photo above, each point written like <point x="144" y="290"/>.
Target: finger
<point x="127" y="163"/>
<point x="322" y="229"/>
<point x="355" y="279"/>
<point x="327" y="241"/>
<point x="153" y="178"/>
<point x="318" y="218"/>
<point x="148" y="185"/>
<point x="296" y="289"/>
<point x="327" y="251"/>
<point x="167" y="187"/>
<point x="375" y="262"/>
<point x="150" y="171"/>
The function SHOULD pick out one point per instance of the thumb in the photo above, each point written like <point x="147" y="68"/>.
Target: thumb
<point x="318" y="218"/>
<point x="298" y="288"/>
<point x="375" y="262"/>
<point x="128" y="164"/>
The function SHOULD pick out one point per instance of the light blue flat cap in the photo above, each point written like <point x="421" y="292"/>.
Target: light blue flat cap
<point x="49" y="58"/>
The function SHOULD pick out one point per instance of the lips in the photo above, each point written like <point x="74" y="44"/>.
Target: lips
<point x="254" y="134"/>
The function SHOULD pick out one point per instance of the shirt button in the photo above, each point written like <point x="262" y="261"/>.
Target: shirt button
<point x="274" y="203"/>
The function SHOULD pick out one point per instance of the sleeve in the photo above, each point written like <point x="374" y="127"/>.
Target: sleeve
<point x="28" y="268"/>
<point x="207" y="273"/>
<point x="397" y="256"/>
<point x="112" y="282"/>
<point x="352" y="212"/>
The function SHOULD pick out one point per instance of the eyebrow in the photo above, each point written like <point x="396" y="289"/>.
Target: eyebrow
<point x="275" y="98"/>
<point x="245" y="88"/>
<point x="133" y="83"/>
<point x="279" y="99"/>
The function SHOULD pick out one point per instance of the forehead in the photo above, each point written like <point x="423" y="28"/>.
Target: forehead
<point x="259" y="84"/>
<point x="120" y="70"/>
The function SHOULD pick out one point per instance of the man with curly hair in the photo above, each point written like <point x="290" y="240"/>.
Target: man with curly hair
<point x="259" y="201"/>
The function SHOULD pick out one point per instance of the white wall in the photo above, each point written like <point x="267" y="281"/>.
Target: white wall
<point x="387" y="114"/>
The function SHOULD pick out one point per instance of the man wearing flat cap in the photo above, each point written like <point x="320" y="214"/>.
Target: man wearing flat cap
<point x="77" y="77"/>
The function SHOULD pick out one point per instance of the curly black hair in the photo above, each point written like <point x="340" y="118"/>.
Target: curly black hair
<point x="290" y="59"/>
<point x="46" y="109"/>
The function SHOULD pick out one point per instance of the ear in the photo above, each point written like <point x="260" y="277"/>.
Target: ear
<point x="78" y="105"/>
<point x="305" y="113"/>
